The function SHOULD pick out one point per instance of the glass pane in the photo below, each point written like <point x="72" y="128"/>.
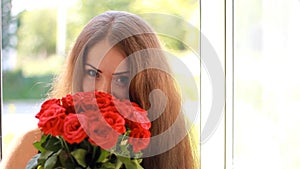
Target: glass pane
<point x="267" y="93"/>
<point x="212" y="84"/>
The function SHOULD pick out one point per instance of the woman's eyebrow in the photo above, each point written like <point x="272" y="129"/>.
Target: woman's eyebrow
<point x="119" y="73"/>
<point x="94" y="68"/>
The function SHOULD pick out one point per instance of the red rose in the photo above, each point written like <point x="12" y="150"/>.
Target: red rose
<point x="84" y="101"/>
<point x="108" y="108"/>
<point x="115" y="120"/>
<point x="103" y="99"/>
<point x="51" y="121"/>
<point x="103" y="95"/>
<point x="140" y="120"/>
<point x="126" y="108"/>
<point x="92" y="115"/>
<point x="102" y="135"/>
<point x="135" y="116"/>
<point x="139" y="139"/>
<point x="138" y="108"/>
<point x="46" y="105"/>
<point x="123" y="108"/>
<point x="67" y="103"/>
<point x="73" y="128"/>
<point x="97" y="117"/>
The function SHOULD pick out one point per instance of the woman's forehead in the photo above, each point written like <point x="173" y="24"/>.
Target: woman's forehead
<point x="104" y="56"/>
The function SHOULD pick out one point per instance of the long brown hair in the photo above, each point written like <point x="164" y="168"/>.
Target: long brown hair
<point x="150" y="71"/>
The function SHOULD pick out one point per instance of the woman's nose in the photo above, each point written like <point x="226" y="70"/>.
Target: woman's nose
<point x="103" y="86"/>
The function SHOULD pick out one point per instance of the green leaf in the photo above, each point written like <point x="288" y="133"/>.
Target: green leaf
<point x="108" y="165"/>
<point x="137" y="155"/>
<point x="51" y="161"/>
<point x="85" y="144"/>
<point x="132" y="164"/>
<point x="52" y="143"/>
<point x="124" y="150"/>
<point x="65" y="159"/>
<point x="38" y="144"/>
<point x="103" y="156"/>
<point x="44" y="156"/>
<point x="79" y="155"/>
<point x="139" y="160"/>
<point x="33" y="163"/>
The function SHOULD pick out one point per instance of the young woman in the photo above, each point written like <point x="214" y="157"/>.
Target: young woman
<point x="118" y="53"/>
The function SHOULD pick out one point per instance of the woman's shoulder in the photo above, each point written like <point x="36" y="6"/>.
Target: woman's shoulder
<point x="33" y="134"/>
<point x="20" y="150"/>
<point x="27" y="137"/>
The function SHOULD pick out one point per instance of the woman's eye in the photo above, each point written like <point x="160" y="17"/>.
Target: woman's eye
<point x="92" y="73"/>
<point x="121" y="81"/>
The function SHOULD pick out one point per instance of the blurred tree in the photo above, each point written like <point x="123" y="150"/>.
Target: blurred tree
<point x="37" y="33"/>
<point x="181" y="8"/>
<point x="171" y="38"/>
<point x="5" y="9"/>
<point x="84" y="10"/>
<point x="175" y="14"/>
<point x="91" y="8"/>
<point x="9" y="24"/>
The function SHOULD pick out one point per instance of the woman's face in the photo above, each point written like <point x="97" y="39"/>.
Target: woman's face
<point x="106" y="70"/>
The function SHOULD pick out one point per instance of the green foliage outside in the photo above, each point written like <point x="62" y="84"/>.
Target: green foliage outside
<point x="37" y="33"/>
<point x="90" y="8"/>
<point x="16" y="86"/>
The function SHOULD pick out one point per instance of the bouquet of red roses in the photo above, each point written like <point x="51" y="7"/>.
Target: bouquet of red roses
<point x="92" y="130"/>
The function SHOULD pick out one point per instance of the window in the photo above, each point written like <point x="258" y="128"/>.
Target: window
<point x="257" y="46"/>
<point x="266" y="86"/>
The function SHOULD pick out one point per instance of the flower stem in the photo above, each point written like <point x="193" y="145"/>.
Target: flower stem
<point x="65" y="144"/>
<point x="94" y="151"/>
